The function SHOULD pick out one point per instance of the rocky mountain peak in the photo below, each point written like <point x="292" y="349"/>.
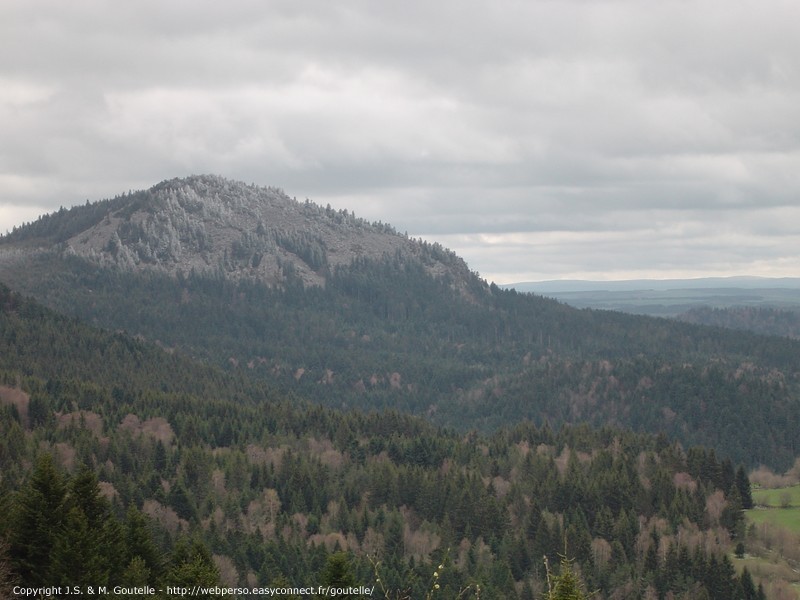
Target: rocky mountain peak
<point x="209" y="224"/>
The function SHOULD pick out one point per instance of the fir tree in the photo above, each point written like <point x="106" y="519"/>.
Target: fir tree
<point x="37" y="521"/>
<point x="565" y="585"/>
<point x="742" y="484"/>
<point x="191" y="565"/>
<point x="139" y="545"/>
<point x="77" y="557"/>
<point x="338" y="573"/>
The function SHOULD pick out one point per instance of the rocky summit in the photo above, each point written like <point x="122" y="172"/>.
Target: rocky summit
<point x="208" y="224"/>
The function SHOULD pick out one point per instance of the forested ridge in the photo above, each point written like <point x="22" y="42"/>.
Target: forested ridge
<point x="767" y="320"/>
<point x="388" y="334"/>
<point x="225" y="480"/>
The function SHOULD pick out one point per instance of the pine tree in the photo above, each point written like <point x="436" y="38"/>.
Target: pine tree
<point x="191" y="565"/>
<point x="38" y="518"/>
<point x="760" y="594"/>
<point x="139" y="544"/>
<point x="136" y="575"/>
<point x="338" y="573"/>
<point x="77" y="558"/>
<point x="8" y="579"/>
<point x="565" y="585"/>
<point x="89" y="547"/>
<point x="748" y="587"/>
<point x="742" y="484"/>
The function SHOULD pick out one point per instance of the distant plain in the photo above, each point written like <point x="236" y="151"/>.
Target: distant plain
<point x="670" y="297"/>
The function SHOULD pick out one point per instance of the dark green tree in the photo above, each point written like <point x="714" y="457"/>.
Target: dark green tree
<point x="748" y="588"/>
<point x="139" y="544"/>
<point x="88" y="549"/>
<point x="338" y="573"/>
<point x="136" y="575"/>
<point x="742" y="484"/>
<point x="38" y="519"/>
<point x="565" y="585"/>
<point x="77" y="557"/>
<point x="191" y="565"/>
<point x="8" y="578"/>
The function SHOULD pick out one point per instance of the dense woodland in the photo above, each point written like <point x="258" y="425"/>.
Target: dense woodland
<point x="766" y="320"/>
<point x="388" y="335"/>
<point x="180" y="472"/>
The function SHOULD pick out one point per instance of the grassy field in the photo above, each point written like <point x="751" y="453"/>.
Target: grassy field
<point x="779" y="507"/>
<point x="781" y="497"/>
<point x="784" y="518"/>
<point x="772" y="546"/>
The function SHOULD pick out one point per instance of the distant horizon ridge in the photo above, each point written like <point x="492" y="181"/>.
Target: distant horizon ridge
<point x="731" y="281"/>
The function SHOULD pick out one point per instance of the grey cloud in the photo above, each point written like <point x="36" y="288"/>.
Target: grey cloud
<point x="578" y="123"/>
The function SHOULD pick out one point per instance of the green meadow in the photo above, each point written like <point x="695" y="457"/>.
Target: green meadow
<point x="779" y="507"/>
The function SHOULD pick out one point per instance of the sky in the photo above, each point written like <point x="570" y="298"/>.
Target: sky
<point x="558" y="139"/>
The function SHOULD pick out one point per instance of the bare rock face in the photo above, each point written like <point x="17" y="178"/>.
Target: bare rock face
<point x="208" y="224"/>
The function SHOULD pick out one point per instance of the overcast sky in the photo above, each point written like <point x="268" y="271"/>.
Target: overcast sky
<point x="538" y="139"/>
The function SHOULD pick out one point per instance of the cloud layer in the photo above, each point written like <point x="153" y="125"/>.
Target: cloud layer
<point x="539" y="140"/>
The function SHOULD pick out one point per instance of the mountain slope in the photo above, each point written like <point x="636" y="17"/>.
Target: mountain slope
<point x="206" y="224"/>
<point x="270" y="491"/>
<point x="352" y="314"/>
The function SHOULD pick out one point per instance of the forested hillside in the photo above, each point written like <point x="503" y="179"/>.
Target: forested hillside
<point x="167" y="472"/>
<point x="352" y="314"/>
<point x="766" y="320"/>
